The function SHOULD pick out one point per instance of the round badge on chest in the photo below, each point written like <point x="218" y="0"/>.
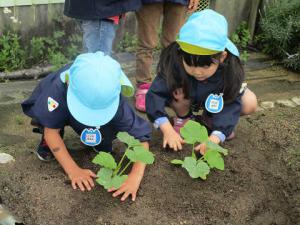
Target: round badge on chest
<point x="91" y="137"/>
<point x="214" y="103"/>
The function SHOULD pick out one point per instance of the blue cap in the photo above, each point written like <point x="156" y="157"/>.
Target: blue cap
<point x="95" y="82"/>
<point x="205" y="33"/>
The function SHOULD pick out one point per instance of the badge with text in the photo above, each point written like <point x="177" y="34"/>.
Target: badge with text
<point x="214" y="103"/>
<point x="52" y="104"/>
<point x="90" y="137"/>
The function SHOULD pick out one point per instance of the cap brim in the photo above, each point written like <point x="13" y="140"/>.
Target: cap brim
<point x="232" y="48"/>
<point x="88" y="116"/>
<point x="127" y="88"/>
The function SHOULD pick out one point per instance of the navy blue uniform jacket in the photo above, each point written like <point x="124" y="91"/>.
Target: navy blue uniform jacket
<point x="36" y="106"/>
<point x="158" y="97"/>
<point x="99" y="9"/>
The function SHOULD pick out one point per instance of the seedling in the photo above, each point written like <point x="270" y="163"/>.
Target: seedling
<point x="194" y="133"/>
<point x="112" y="174"/>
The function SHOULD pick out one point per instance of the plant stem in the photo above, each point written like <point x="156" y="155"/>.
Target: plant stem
<point x="120" y="174"/>
<point x="193" y="152"/>
<point x="120" y="163"/>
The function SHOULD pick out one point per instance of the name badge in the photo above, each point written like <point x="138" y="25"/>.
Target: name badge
<point x="214" y="103"/>
<point x="91" y="137"/>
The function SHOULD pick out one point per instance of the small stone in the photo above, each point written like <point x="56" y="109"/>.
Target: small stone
<point x="267" y="105"/>
<point x="6" y="158"/>
<point x="296" y="100"/>
<point x="286" y="102"/>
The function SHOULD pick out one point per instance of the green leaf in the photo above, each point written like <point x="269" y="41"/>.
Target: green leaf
<point x="106" y="160"/>
<point x="195" y="168"/>
<point x="117" y="181"/>
<point x="194" y="132"/>
<point x="177" y="162"/>
<point x="139" y="153"/>
<point x="143" y="155"/>
<point x="213" y="146"/>
<point x="214" y="159"/>
<point x="189" y="163"/>
<point x="104" y="177"/>
<point x="130" y="155"/>
<point x="202" y="169"/>
<point x="128" y="139"/>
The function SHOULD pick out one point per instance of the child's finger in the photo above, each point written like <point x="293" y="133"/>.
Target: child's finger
<point x="92" y="174"/>
<point x="87" y="185"/>
<point x="74" y="185"/>
<point x="125" y="195"/>
<point x="164" y="144"/>
<point x="80" y="185"/>
<point x="91" y="182"/>
<point x="133" y="196"/>
<point x="111" y="189"/>
<point x="118" y="192"/>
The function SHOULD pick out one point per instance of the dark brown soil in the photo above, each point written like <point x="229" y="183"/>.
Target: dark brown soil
<point x="260" y="184"/>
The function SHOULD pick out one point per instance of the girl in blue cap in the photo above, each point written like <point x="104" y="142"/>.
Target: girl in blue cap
<point x="201" y="70"/>
<point x="87" y="96"/>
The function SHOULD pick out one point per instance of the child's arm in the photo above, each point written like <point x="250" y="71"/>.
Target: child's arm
<point x="171" y="137"/>
<point x="82" y="178"/>
<point x="132" y="184"/>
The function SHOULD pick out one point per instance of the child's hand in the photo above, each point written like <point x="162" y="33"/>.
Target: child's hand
<point x="171" y="137"/>
<point x="202" y="147"/>
<point x="82" y="178"/>
<point x="129" y="187"/>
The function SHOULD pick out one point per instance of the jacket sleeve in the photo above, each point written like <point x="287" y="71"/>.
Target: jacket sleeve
<point x="227" y="119"/>
<point x="157" y="99"/>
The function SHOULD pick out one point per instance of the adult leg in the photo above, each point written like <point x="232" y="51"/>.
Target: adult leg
<point x="98" y="35"/>
<point x="173" y="19"/>
<point x="148" y="19"/>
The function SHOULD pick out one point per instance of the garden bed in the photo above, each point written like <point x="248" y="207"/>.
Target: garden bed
<point x="260" y="183"/>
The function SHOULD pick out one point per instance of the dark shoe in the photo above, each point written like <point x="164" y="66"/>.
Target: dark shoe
<point x="43" y="152"/>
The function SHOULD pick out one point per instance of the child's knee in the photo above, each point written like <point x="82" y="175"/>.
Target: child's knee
<point x="249" y="102"/>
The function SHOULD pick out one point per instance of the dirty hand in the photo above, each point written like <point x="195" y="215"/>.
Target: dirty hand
<point x="171" y="137"/>
<point x="129" y="187"/>
<point x="193" y="5"/>
<point x="82" y="178"/>
<point x="202" y="147"/>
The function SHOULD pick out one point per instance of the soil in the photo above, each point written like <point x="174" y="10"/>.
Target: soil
<point x="260" y="183"/>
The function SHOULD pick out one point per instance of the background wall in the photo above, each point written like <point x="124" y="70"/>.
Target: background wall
<point x="31" y="18"/>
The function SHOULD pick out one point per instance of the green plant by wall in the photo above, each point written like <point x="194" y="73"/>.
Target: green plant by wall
<point x="241" y="37"/>
<point x="12" y="54"/>
<point x="280" y="32"/>
<point x="56" y="50"/>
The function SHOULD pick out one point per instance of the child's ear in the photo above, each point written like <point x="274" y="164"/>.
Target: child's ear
<point x="223" y="56"/>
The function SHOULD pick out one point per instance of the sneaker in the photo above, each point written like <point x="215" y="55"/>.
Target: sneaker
<point x="43" y="152"/>
<point x="140" y="96"/>
<point x="179" y="123"/>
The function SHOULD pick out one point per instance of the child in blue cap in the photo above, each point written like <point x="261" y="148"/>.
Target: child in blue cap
<point x="87" y="96"/>
<point x="200" y="71"/>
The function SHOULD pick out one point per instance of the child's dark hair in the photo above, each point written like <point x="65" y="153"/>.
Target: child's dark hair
<point x="171" y="67"/>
